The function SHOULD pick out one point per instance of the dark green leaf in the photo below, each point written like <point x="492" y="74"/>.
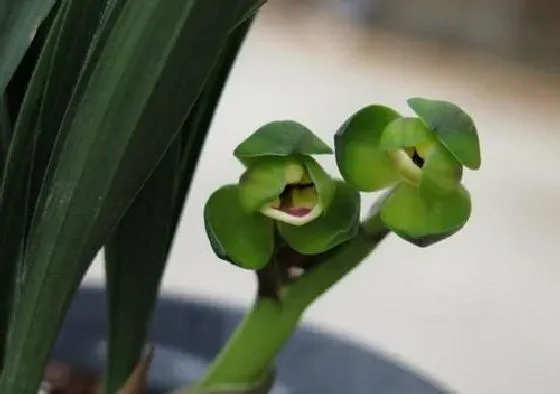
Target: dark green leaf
<point x="19" y="20"/>
<point x="360" y="160"/>
<point x="15" y="181"/>
<point x="203" y="112"/>
<point x="16" y="88"/>
<point x="404" y="133"/>
<point x="338" y="224"/>
<point x="246" y="239"/>
<point x="281" y="138"/>
<point x="408" y="212"/>
<point x="137" y="252"/>
<point x="454" y="128"/>
<point x="112" y="138"/>
<point x="135" y="258"/>
<point x="5" y="134"/>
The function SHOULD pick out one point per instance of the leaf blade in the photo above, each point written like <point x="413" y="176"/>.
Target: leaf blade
<point x="18" y="23"/>
<point x="140" y="246"/>
<point x="86" y="195"/>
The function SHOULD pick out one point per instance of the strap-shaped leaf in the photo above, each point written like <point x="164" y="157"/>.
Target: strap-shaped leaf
<point x="5" y="133"/>
<point x="453" y="126"/>
<point x="136" y="254"/>
<point x="15" y="181"/>
<point x="245" y="239"/>
<point x="18" y="22"/>
<point x="203" y="112"/>
<point x="338" y="224"/>
<point x="135" y="258"/>
<point x="136" y="90"/>
<point x="357" y="147"/>
<point x="281" y="138"/>
<point x="404" y="133"/>
<point x="407" y="212"/>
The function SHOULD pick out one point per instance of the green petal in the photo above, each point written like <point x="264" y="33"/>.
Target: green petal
<point x="244" y="239"/>
<point x="337" y="225"/>
<point x="281" y="138"/>
<point x="324" y="184"/>
<point x="407" y="212"/>
<point x="454" y="128"/>
<point x="441" y="172"/>
<point x="358" y="155"/>
<point x="263" y="181"/>
<point x="404" y="133"/>
<point x="428" y="240"/>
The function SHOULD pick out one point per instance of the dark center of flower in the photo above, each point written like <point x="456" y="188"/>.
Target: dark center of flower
<point x="297" y="199"/>
<point x="417" y="159"/>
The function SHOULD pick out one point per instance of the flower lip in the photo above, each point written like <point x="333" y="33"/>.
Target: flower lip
<point x="297" y="204"/>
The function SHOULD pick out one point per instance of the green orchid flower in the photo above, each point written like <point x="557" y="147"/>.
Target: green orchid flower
<point x="420" y="158"/>
<point x="283" y="194"/>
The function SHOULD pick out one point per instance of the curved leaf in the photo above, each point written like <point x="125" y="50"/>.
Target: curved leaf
<point x="281" y="138"/>
<point x="324" y="184"/>
<point x="244" y="239"/>
<point x="358" y="155"/>
<point x="337" y="225"/>
<point x="407" y="212"/>
<point x="454" y="128"/>
<point x="18" y="23"/>
<point x="404" y="133"/>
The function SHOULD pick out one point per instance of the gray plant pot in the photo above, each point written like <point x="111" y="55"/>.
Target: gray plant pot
<point x="188" y="333"/>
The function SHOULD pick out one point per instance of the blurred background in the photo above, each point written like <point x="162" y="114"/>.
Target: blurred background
<point x="481" y="311"/>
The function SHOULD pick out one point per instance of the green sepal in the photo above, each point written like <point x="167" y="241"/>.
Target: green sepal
<point x="263" y="181"/>
<point x="441" y="172"/>
<point x="410" y="214"/>
<point x="323" y="182"/>
<point x="429" y="240"/>
<point x="359" y="157"/>
<point x="245" y="239"/>
<point x="404" y="133"/>
<point x="453" y="127"/>
<point x="337" y="225"/>
<point x="281" y="138"/>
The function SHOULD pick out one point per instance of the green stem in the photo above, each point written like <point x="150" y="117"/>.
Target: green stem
<point x="251" y="351"/>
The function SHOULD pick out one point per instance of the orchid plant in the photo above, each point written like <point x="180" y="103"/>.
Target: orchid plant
<point x="299" y="229"/>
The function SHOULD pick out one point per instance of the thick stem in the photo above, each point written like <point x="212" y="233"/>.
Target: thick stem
<point x="252" y="349"/>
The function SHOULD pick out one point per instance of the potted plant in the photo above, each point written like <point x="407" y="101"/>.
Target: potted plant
<point x="104" y="108"/>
